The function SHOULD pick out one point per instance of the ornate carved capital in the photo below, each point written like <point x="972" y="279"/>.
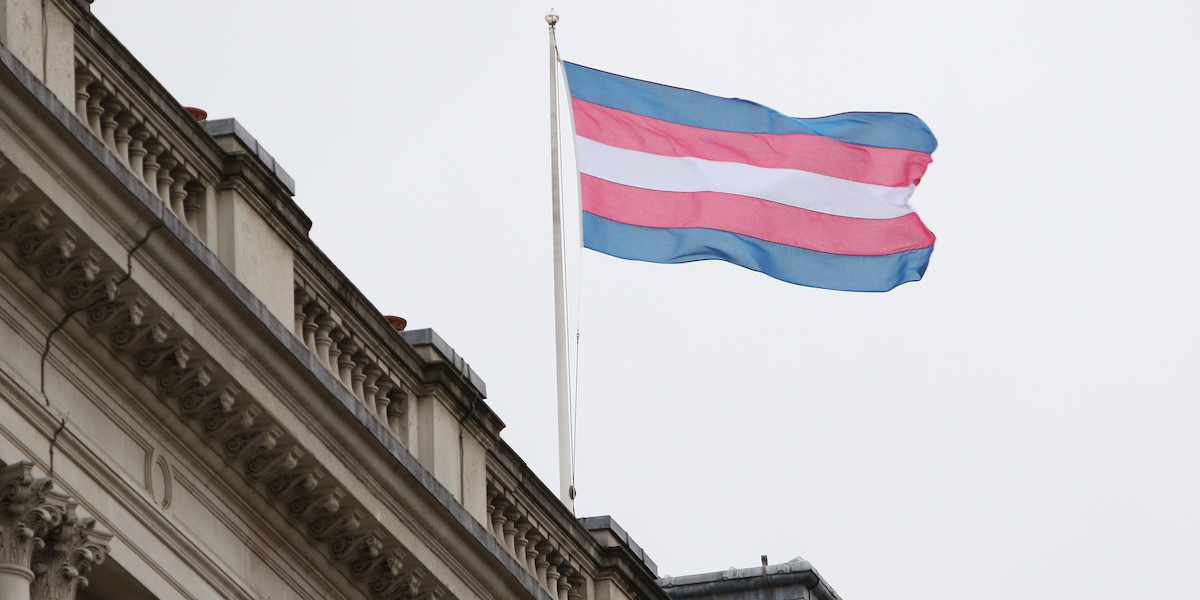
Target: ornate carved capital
<point x="71" y="548"/>
<point x="29" y="509"/>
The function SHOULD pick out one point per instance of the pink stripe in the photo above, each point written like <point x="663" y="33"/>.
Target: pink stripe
<point x="891" y="167"/>
<point x="757" y="218"/>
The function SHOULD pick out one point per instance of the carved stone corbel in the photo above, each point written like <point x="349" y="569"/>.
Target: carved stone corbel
<point x="110" y="315"/>
<point x="18" y="220"/>
<point x="177" y="382"/>
<point x="247" y="444"/>
<point x="291" y="485"/>
<point x="373" y="566"/>
<point x="390" y="582"/>
<point x="80" y="293"/>
<point x="38" y="245"/>
<point x="356" y="546"/>
<point x="165" y="354"/>
<point x="221" y="426"/>
<point x="268" y="465"/>
<point x="202" y="402"/>
<point x="330" y="526"/>
<point x="139" y="335"/>
<point x="309" y="507"/>
<point x="12" y="188"/>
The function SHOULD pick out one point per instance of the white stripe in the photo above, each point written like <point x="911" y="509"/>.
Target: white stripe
<point x="821" y="193"/>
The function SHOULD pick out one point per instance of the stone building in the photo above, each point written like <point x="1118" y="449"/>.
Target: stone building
<point x="196" y="404"/>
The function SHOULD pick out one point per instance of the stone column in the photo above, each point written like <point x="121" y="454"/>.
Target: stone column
<point x="27" y="512"/>
<point x="45" y="549"/>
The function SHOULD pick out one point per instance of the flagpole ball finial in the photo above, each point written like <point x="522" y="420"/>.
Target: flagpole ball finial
<point x="552" y="18"/>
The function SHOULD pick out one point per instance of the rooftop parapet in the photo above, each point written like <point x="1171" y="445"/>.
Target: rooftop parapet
<point x="794" y="580"/>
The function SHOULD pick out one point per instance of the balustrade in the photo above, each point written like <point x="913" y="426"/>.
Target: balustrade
<point x="125" y="131"/>
<point x="342" y="352"/>
<point x="533" y="547"/>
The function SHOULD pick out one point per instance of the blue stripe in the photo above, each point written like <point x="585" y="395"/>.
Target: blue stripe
<point x="688" y="107"/>
<point x="787" y="263"/>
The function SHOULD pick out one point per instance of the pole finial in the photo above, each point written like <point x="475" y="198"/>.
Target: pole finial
<point x="552" y="18"/>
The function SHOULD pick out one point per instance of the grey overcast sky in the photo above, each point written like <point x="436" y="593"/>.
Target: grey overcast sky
<point x="1022" y="422"/>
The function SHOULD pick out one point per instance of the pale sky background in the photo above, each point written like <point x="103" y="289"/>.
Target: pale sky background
<point x="1022" y="423"/>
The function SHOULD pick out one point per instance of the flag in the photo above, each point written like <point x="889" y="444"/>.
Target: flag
<point x="672" y="175"/>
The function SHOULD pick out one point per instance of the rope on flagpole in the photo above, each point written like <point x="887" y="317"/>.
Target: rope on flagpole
<point x="577" y="313"/>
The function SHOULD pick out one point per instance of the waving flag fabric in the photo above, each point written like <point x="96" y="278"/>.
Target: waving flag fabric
<point x="672" y="175"/>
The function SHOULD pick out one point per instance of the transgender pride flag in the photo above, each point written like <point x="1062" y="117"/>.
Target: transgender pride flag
<point x="672" y="175"/>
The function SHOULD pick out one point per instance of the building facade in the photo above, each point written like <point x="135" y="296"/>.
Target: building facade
<point x="196" y="404"/>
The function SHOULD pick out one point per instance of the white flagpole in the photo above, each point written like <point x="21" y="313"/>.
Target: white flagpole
<point x="565" y="470"/>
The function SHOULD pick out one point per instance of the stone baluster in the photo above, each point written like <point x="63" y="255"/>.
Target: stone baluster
<point x="510" y="529"/>
<point x="193" y="206"/>
<point x="371" y="375"/>
<point x="500" y="504"/>
<point x="300" y="297"/>
<point x="150" y="164"/>
<point x="578" y="585"/>
<point x="164" y="179"/>
<point x="83" y="79"/>
<point x="96" y="95"/>
<point x="358" y="374"/>
<point x="108" y="121"/>
<point x="567" y="574"/>
<point x="346" y="363"/>
<point x="321" y="339"/>
<point x="520" y="542"/>
<point x="382" y="400"/>
<point x="531" y="551"/>
<point x="311" y="311"/>
<point x="125" y="122"/>
<point x="395" y="414"/>
<point x="177" y="191"/>
<point x="137" y="149"/>
<point x="336" y="336"/>
<point x="542" y="562"/>
<point x="552" y="574"/>
<point x="491" y="508"/>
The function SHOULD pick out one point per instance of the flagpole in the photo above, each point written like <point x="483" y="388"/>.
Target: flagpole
<point x="565" y="468"/>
